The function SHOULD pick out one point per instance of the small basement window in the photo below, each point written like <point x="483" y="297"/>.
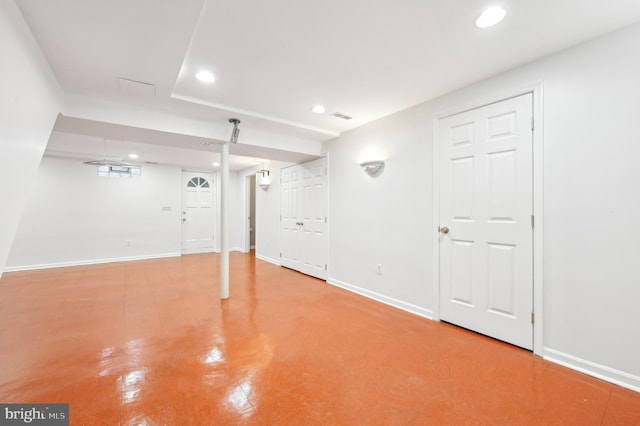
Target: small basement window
<point x="110" y="170"/>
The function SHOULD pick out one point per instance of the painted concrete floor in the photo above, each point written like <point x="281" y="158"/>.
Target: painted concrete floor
<point x="150" y="343"/>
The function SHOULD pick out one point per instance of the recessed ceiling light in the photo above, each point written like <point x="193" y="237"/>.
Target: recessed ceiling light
<point x="133" y="156"/>
<point x="205" y="76"/>
<point x="319" y="109"/>
<point x="490" y="17"/>
<point x="215" y="164"/>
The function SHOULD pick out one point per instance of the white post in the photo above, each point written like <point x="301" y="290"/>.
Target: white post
<point x="224" y="228"/>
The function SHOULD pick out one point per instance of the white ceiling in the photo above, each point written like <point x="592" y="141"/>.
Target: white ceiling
<point x="274" y="60"/>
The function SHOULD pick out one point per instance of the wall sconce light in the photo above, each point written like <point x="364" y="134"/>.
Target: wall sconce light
<point x="373" y="168"/>
<point x="264" y="179"/>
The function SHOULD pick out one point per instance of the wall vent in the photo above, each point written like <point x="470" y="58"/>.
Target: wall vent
<point x="340" y="115"/>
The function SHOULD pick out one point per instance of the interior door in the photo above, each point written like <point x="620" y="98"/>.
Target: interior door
<point x="486" y="235"/>
<point x="314" y="219"/>
<point x="291" y="216"/>
<point x="197" y="212"/>
<point x="304" y="218"/>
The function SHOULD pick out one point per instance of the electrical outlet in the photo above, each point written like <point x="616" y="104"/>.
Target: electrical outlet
<point x="379" y="268"/>
<point x="128" y="242"/>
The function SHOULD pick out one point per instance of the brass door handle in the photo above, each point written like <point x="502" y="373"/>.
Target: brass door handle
<point x="444" y="230"/>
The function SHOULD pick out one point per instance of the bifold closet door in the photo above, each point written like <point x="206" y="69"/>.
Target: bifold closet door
<point x="304" y="218"/>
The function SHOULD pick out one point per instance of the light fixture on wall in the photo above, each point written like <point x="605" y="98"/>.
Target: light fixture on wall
<point x="263" y="177"/>
<point x="373" y="168"/>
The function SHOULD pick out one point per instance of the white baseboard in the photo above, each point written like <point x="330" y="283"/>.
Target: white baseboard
<point x="268" y="259"/>
<point x="199" y="251"/>
<point x="88" y="262"/>
<point x="620" y="378"/>
<point x="408" y="307"/>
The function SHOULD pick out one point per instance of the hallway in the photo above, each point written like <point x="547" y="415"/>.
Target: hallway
<point x="149" y="342"/>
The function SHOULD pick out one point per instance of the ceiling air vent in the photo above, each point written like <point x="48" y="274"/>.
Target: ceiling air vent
<point x="136" y="88"/>
<point x="339" y="115"/>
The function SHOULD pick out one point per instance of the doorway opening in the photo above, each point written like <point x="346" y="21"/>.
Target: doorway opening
<point x="250" y="214"/>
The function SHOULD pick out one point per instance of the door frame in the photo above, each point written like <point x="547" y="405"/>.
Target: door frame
<point x="538" y="156"/>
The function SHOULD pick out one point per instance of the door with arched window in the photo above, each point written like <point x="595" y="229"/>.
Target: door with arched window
<point x="197" y="212"/>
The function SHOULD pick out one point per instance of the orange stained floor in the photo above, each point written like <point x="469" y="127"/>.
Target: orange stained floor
<point x="150" y="343"/>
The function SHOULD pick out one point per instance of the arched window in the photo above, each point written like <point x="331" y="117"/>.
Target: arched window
<point x="198" y="182"/>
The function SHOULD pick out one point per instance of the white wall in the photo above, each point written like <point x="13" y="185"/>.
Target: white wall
<point x="30" y="100"/>
<point x="236" y="210"/>
<point x="591" y="126"/>
<point x="268" y="216"/>
<point x="74" y="217"/>
<point x="385" y="219"/>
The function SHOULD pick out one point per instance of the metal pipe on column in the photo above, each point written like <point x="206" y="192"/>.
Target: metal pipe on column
<point x="224" y="210"/>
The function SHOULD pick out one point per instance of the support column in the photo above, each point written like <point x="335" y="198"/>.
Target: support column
<point x="224" y="227"/>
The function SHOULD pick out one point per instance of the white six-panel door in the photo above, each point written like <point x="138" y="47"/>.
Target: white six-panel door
<point x="197" y="212"/>
<point x="291" y="216"/>
<point x="314" y="219"/>
<point x="486" y="245"/>
<point x="304" y="218"/>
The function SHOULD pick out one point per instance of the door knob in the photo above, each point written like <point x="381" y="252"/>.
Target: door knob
<point x="184" y="219"/>
<point x="444" y="230"/>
